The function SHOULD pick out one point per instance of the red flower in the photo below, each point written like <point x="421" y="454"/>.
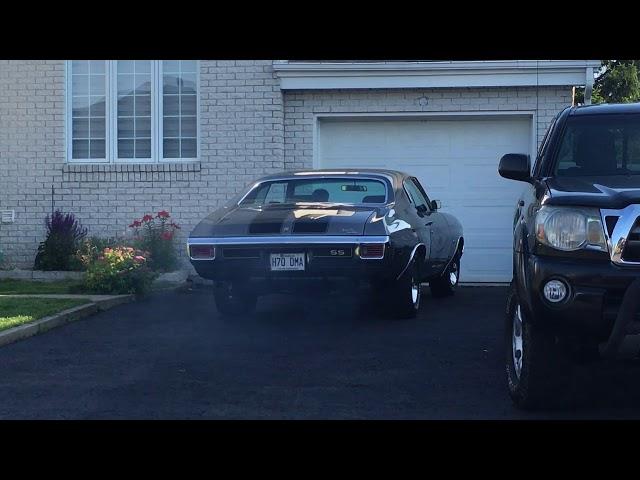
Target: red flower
<point x="147" y="218"/>
<point x="167" y="235"/>
<point x="174" y="225"/>
<point x="163" y="214"/>
<point x="135" y="224"/>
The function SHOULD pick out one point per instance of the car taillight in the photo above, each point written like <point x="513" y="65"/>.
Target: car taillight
<point x="372" y="250"/>
<point x="202" y="252"/>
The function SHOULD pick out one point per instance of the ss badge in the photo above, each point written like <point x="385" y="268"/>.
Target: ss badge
<point x="336" y="253"/>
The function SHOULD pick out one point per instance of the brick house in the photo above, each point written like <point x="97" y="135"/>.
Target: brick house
<point x="117" y="139"/>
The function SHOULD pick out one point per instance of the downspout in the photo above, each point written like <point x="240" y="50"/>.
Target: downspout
<point x="588" y="87"/>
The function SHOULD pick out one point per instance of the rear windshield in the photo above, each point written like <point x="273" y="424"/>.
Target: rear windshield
<point x="314" y="190"/>
<point x="600" y="145"/>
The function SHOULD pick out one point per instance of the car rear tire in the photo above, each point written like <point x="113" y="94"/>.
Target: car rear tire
<point x="407" y="293"/>
<point x="538" y="371"/>
<point x="446" y="284"/>
<point x="234" y="299"/>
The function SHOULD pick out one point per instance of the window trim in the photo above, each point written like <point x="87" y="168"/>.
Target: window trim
<point x="111" y="120"/>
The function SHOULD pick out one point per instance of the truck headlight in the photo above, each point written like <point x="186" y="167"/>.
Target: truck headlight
<point x="570" y="228"/>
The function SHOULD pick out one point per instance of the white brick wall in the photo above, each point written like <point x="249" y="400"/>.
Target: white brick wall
<point x="241" y="138"/>
<point x="300" y="107"/>
<point x="248" y="129"/>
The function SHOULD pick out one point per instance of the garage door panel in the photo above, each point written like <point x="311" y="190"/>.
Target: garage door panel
<point x="457" y="162"/>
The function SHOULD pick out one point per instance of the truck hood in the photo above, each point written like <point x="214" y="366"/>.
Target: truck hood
<point x="616" y="191"/>
<point x="289" y="219"/>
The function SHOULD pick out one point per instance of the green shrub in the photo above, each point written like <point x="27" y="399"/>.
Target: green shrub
<point x="119" y="270"/>
<point x="156" y="235"/>
<point x="57" y="252"/>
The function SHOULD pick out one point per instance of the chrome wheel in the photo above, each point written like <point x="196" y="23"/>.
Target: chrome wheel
<point x="516" y="342"/>
<point x="415" y="292"/>
<point x="453" y="274"/>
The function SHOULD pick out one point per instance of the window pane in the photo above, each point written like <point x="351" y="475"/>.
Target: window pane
<point x="96" y="149"/>
<point x="80" y="84"/>
<point x="189" y="66"/>
<point x="134" y="108"/>
<point x="171" y="66"/>
<point x="88" y="117"/>
<point x="188" y="127"/>
<point x="180" y="108"/>
<point x="170" y="84"/>
<point x="188" y="105"/>
<point x="143" y="105"/>
<point x="80" y="149"/>
<point x="143" y="126"/>
<point x="171" y="105"/>
<point x="80" y="106"/>
<point x="97" y="128"/>
<point x="125" y="127"/>
<point x="143" y="148"/>
<point x="171" y="148"/>
<point x="80" y="127"/>
<point x="188" y="83"/>
<point x="171" y="127"/>
<point x="125" y="148"/>
<point x="188" y="148"/>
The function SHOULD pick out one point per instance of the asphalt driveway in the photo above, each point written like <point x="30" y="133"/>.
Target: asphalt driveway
<point x="172" y="356"/>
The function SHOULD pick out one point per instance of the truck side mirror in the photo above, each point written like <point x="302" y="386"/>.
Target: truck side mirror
<point x="515" y="166"/>
<point x="436" y="204"/>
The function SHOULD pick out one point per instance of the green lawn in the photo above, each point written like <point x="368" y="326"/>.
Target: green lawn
<point x="14" y="287"/>
<point x="17" y="311"/>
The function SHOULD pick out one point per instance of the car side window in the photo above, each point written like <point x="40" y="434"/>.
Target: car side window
<point x="415" y="196"/>
<point x="422" y="191"/>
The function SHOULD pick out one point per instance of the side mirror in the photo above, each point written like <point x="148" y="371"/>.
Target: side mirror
<point x="436" y="204"/>
<point x="515" y="166"/>
<point x="422" y="209"/>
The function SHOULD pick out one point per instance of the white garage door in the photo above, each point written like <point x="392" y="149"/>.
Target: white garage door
<point x="456" y="160"/>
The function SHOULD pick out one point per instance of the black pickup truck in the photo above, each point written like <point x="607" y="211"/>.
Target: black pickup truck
<point x="575" y="292"/>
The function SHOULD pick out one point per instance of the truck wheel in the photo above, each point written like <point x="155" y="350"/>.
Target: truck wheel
<point x="538" y="371"/>
<point x="446" y="284"/>
<point x="233" y="299"/>
<point x="407" y="294"/>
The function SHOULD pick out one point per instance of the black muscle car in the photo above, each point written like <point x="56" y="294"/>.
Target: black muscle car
<point x="324" y="228"/>
<point x="576" y="258"/>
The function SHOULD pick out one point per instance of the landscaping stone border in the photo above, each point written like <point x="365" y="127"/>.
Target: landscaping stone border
<point x="52" y="276"/>
<point x="98" y="303"/>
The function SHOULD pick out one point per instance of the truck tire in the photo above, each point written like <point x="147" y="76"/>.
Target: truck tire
<point x="446" y="284"/>
<point x="538" y="371"/>
<point x="234" y="299"/>
<point x="406" y="294"/>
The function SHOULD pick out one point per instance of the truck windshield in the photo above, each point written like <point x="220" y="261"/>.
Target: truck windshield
<point x="318" y="190"/>
<point x="600" y="145"/>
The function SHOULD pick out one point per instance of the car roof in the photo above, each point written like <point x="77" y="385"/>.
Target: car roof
<point x="395" y="175"/>
<point x="605" y="108"/>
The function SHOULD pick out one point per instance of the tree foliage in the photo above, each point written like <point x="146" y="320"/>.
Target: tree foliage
<point x="617" y="82"/>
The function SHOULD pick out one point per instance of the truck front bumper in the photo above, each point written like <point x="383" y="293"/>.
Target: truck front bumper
<point x="597" y="292"/>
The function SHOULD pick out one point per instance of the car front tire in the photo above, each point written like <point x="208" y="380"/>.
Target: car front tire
<point x="538" y="370"/>
<point x="446" y="284"/>
<point x="234" y="299"/>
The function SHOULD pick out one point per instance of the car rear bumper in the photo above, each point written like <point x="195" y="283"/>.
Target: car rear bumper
<point x="327" y="259"/>
<point x="593" y="303"/>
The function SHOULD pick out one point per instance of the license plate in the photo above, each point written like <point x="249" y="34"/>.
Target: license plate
<point x="287" y="261"/>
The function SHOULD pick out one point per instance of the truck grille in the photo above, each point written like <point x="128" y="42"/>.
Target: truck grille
<point x="631" y="251"/>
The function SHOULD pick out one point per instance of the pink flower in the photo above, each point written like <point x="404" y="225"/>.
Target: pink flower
<point x="147" y="218"/>
<point x="163" y="214"/>
<point x="138" y="259"/>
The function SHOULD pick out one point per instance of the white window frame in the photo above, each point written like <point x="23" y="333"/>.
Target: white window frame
<point x="111" y="118"/>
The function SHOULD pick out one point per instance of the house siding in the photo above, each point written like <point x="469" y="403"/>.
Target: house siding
<point x="248" y="128"/>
